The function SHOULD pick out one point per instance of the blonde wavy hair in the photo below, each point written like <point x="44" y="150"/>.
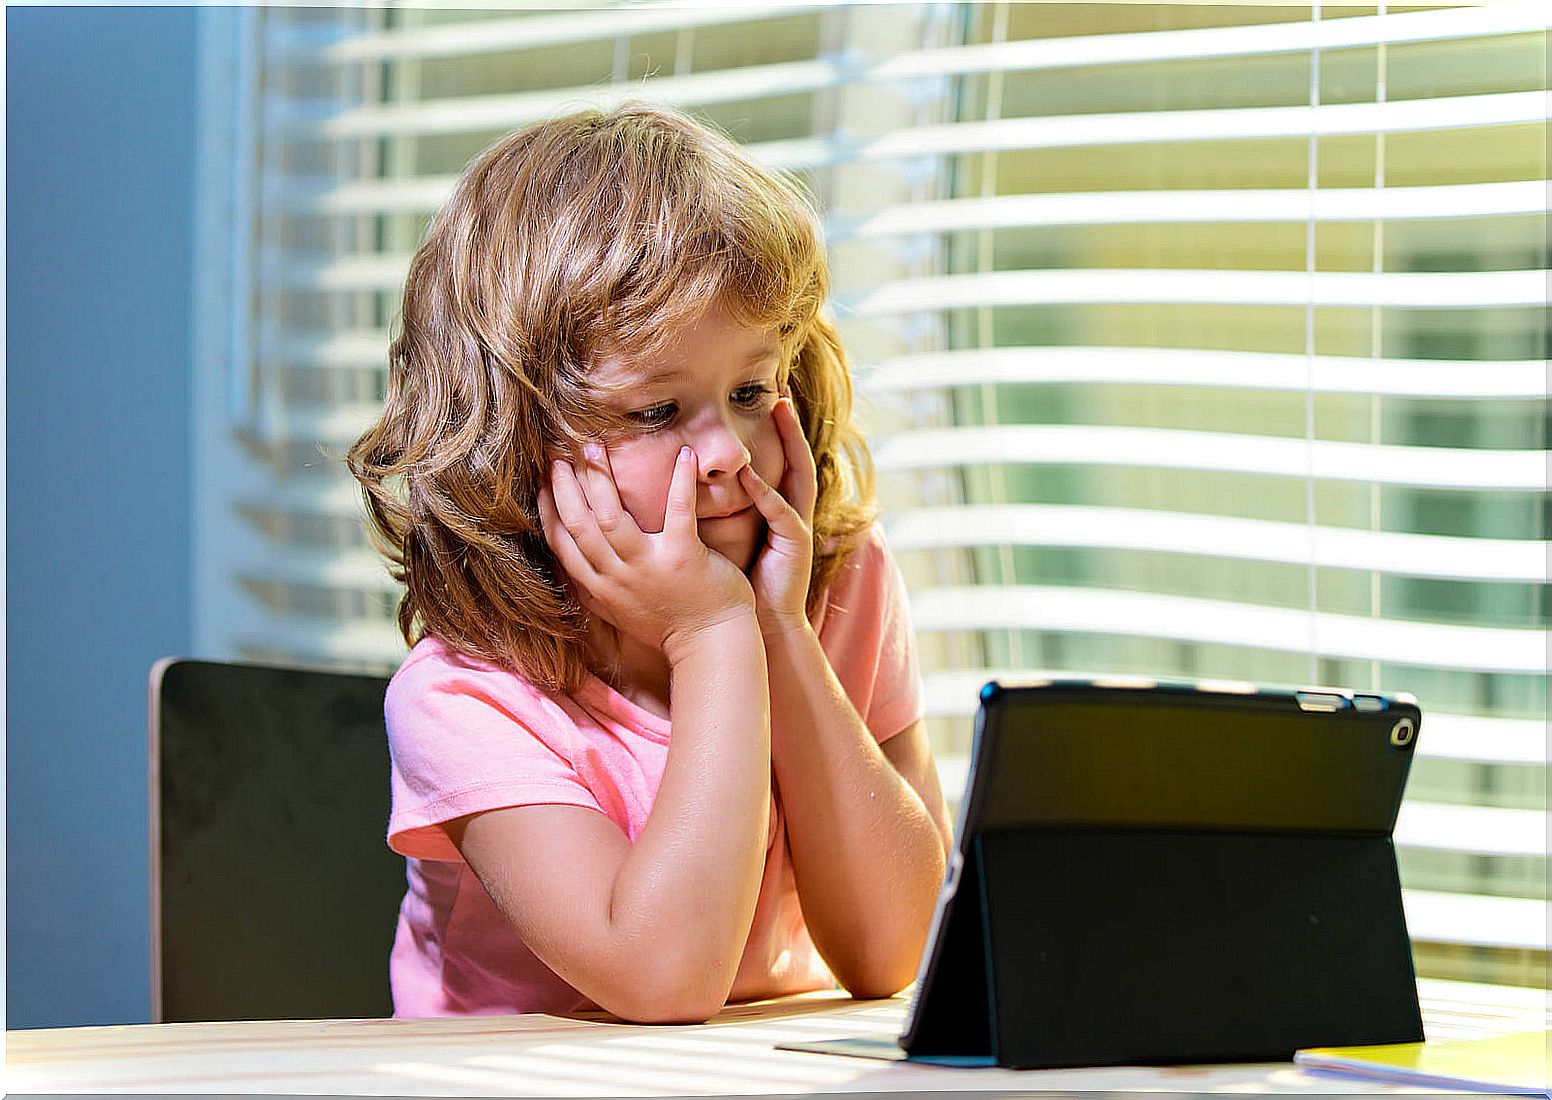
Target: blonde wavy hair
<point x="593" y="234"/>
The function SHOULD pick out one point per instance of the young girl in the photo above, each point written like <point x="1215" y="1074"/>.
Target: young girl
<point x="658" y="742"/>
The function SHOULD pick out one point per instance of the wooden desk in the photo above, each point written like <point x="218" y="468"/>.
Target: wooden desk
<point x="555" y="1056"/>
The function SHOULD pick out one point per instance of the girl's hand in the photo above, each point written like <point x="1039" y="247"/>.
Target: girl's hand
<point x="661" y="589"/>
<point x="782" y="568"/>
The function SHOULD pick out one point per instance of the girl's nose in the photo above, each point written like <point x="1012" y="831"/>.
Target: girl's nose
<point x="721" y="450"/>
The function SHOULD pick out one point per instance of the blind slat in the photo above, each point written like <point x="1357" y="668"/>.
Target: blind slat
<point x="315" y="638"/>
<point x="1081" y="286"/>
<point x="1473" y="919"/>
<point x="1184" y="286"/>
<point x="313" y="195"/>
<point x="1456" y="379"/>
<point x="501" y="35"/>
<point x="1480" y="830"/>
<point x="954" y="608"/>
<point x="1145" y="531"/>
<point x="328" y="120"/>
<point x="1224" y="452"/>
<point x="1026" y="211"/>
<point x="497" y="35"/>
<point x="1226" y="124"/>
<point x="1208" y="43"/>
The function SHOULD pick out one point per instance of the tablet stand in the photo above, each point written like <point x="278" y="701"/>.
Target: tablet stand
<point x="1099" y="946"/>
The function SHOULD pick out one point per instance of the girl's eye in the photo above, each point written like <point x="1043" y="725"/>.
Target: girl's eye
<point x="753" y="396"/>
<point x="655" y="417"/>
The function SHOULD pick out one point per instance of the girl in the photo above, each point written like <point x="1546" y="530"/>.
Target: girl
<point x="658" y="742"/>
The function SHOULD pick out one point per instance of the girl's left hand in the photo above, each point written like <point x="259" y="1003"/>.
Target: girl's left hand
<point x="782" y="567"/>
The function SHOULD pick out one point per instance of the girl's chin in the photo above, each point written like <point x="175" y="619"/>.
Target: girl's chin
<point x="740" y="549"/>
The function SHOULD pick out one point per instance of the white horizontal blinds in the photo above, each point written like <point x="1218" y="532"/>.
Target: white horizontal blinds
<point x="1241" y="376"/>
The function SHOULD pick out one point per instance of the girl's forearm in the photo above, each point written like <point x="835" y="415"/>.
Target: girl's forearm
<point x="866" y="853"/>
<point x="686" y="894"/>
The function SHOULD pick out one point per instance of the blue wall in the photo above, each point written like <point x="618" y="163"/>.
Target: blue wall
<point x="100" y="144"/>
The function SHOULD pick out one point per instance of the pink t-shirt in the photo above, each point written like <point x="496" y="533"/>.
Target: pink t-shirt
<point x="466" y="736"/>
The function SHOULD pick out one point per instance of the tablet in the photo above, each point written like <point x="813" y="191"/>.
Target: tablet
<point x="1149" y="872"/>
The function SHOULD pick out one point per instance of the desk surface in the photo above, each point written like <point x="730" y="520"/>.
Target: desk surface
<point x="564" y="1056"/>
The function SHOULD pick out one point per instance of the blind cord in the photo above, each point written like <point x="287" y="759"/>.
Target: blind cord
<point x="1376" y="333"/>
<point x="1312" y="594"/>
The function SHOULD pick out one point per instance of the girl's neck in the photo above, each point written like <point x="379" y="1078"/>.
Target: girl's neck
<point x="638" y="672"/>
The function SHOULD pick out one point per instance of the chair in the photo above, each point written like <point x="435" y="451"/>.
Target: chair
<point x="273" y="894"/>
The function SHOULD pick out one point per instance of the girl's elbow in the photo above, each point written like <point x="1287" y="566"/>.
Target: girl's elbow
<point x="670" y="995"/>
<point x="877" y="985"/>
<point x="884" y="967"/>
<point x="876" y="975"/>
<point x="652" y="1005"/>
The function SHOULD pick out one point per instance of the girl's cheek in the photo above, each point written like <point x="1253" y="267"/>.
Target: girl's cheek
<point x="769" y="460"/>
<point x="643" y="469"/>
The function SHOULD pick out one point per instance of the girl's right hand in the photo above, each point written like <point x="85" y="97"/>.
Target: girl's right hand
<point x="665" y="590"/>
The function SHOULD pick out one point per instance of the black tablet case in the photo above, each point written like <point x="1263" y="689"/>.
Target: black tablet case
<point x="1166" y="874"/>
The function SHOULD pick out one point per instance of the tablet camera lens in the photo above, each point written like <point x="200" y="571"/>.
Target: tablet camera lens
<point x="1402" y="732"/>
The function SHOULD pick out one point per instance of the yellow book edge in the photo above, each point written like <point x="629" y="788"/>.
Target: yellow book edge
<point x="1517" y="1063"/>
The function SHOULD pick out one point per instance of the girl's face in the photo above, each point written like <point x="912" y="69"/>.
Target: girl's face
<point x="713" y="387"/>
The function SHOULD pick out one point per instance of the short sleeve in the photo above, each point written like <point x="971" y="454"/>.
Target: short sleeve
<point x="464" y="739"/>
<point x="865" y="631"/>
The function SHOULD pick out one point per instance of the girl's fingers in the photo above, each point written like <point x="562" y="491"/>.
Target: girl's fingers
<point x="576" y="517"/>
<point x="783" y="519"/>
<point x="572" y="560"/>
<point x="801" y="482"/>
<point x="679" y="515"/>
<point x="617" y="525"/>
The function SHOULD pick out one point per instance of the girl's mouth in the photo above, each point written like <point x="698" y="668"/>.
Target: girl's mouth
<point x="727" y="515"/>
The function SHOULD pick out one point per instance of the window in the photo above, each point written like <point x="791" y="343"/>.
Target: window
<point x="1194" y="341"/>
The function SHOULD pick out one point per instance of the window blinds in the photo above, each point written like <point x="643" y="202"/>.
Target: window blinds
<point x="1195" y="341"/>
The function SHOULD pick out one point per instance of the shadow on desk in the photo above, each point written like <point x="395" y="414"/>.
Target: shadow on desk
<point x="800" y="1004"/>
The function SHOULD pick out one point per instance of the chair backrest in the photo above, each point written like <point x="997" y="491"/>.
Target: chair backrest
<point x="273" y="894"/>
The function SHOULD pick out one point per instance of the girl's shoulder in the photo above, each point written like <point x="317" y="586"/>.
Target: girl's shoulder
<point x="865" y="630"/>
<point x="434" y="668"/>
<point x="431" y="652"/>
<point x="868" y="578"/>
<point x="868" y="560"/>
<point x="432" y="659"/>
